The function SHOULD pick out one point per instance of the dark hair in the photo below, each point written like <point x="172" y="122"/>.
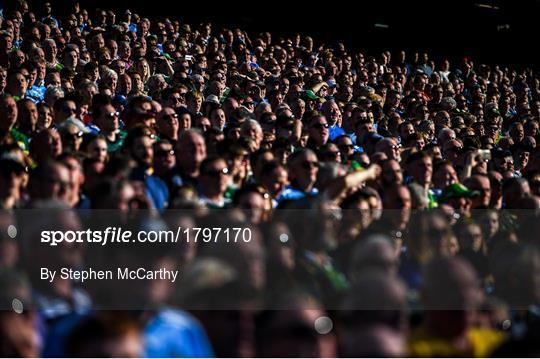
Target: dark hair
<point x="208" y="160"/>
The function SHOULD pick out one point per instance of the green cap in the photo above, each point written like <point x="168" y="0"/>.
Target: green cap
<point x="310" y="95"/>
<point x="457" y="190"/>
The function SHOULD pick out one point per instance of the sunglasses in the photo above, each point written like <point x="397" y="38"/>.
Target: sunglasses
<point x="346" y="147"/>
<point x="217" y="172"/>
<point x="170" y="117"/>
<point x="69" y="110"/>
<point x="74" y="135"/>
<point x="113" y="114"/>
<point x="163" y="153"/>
<point x="309" y="164"/>
<point x="331" y="155"/>
<point x="320" y="126"/>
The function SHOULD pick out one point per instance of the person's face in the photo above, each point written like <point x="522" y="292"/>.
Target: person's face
<point x="8" y="113"/>
<point x="421" y="170"/>
<point x="490" y="224"/>
<point x="445" y="176"/>
<point x="18" y="84"/>
<point x="399" y="199"/>
<point x="125" y="85"/>
<point x="319" y="131"/>
<point x="109" y="121"/>
<point x="332" y="154"/>
<point x="333" y="113"/>
<point x="422" y="113"/>
<point x="68" y="109"/>
<point x="451" y="150"/>
<point x="29" y="114"/>
<point x="45" y="118"/>
<point x="407" y="130"/>
<point x="51" y="50"/>
<point x="72" y="138"/>
<point x="112" y="81"/>
<point x="523" y="158"/>
<point x="192" y="148"/>
<point x="506" y="164"/>
<point x="11" y="183"/>
<point x="18" y="58"/>
<point x="419" y="144"/>
<point x="71" y="59"/>
<point x="483" y="186"/>
<point x="461" y="204"/>
<point x="215" y="177"/>
<point x="137" y="82"/>
<point x="532" y="129"/>
<point x="195" y="103"/>
<point x="392" y="173"/>
<point x="346" y="147"/>
<point x="254" y="204"/>
<point x="98" y="149"/>
<point x="175" y="100"/>
<point x="164" y="156"/>
<point x="56" y="184"/>
<point x="304" y="170"/>
<point x="391" y="149"/>
<point x="277" y="180"/>
<point x="218" y="118"/>
<point x="442" y="119"/>
<point x="517" y="133"/>
<point x="124" y="51"/>
<point x="142" y="150"/>
<point x="184" y="122"/>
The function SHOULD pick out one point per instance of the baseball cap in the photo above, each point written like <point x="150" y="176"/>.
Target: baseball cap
<point x="457" y="190"/>
<point x="309" y="94"/>
<point x="331" y="83"/>
<point x="212" y="99"/>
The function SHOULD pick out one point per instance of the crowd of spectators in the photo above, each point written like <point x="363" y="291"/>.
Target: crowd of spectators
<point x="393" y="197"/>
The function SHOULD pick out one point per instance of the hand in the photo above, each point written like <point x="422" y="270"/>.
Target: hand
<point x="374" y="170"/>
<point x="472" y="158"/>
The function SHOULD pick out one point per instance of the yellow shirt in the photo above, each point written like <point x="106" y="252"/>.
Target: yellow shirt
<point x="483" y="343"/>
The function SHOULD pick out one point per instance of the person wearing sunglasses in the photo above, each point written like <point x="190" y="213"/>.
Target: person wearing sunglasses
<point x="164" y="164"/>
<point x="213" y="182"/>
<point x="17" y="84"/>
<point x="330" y="153"/>
<point x="71" y="137"/>
<point x="303" y="169"/>
<point x="140" y="146"/>
<point x="107" y="120"/>
<point x="331" y="111"/>
<point x="318" y="132"/>
<point x="390" y="147"/>
<point x="63" y="109"/>
<point x="346" y="147"/>
<point x="168" y="125"/>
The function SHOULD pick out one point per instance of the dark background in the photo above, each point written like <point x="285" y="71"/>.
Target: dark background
<point x="451" y="28"/>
